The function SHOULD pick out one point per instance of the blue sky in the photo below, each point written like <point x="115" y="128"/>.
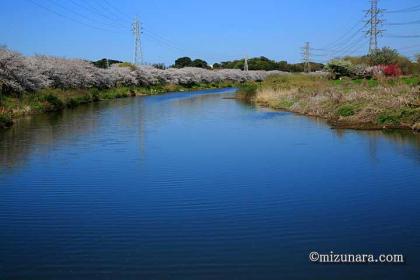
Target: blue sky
<point x="214" y="30"/>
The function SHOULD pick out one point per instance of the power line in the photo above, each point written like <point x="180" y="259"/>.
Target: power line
<point x="96" y="11"/>
<point x="345" y="35"/>
<point x="111" y="13"/>
<point x="349" y="40"/>
<point x="405" y="10"/>
<point x="402" y="36"/>
<point x="351" y="47"/>
<point x="409" y="47"/>
<point x="115" y="10"/>
<point x="162" y="42"/>
<point x="59" y="14"/>
<point x="404" y="23"/>
<point x="358" y="47"/>
<point x="80" y="15"/>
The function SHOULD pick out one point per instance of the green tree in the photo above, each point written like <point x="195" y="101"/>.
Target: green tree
<point x="159" y="66"/>
<point x="283" y="66"/>
<point x="183" y="62"/>
<point x="384" y="56"/>
<point x="262" y="63"/>
<point x="199" y="63"/>
<point x="105" y="63"/>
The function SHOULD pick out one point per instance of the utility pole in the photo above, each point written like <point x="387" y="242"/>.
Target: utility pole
<point x="374" y="21"/>
<point x="246" y="64"/>
<point x="136" y="28"/>
<point x="307" y="57"/>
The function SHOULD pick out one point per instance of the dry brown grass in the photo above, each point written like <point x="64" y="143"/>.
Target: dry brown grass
<point x="347" y="104"/>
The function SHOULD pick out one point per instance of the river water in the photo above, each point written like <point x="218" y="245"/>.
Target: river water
<point x="202" y="186"/>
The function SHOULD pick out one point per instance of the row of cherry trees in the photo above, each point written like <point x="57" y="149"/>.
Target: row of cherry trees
<point x="19" y="73"/>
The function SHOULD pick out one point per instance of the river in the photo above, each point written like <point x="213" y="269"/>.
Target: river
<point x="202" y="186"/>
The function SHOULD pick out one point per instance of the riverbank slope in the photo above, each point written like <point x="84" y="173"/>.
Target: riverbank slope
<point x="52" y="100"/>
<point x="356" y="104"/>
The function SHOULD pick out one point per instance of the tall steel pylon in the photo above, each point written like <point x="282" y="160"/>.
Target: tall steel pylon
<point x="136" y="28"/>
<point x="246" y="64"/>
<point x="307" y="57"/>
<point x="375" y="21"/>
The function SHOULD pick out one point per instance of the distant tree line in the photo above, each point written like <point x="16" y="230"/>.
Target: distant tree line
<point x="256" y="63"/>
<point x="188" y="62"/>
<point x="384" y="56"/>
<point x="264" y="63"/>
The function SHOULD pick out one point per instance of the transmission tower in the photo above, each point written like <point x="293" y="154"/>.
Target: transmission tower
<point x="138" y="52"/>
<point x="375" y="21"/>
<point x="246" y="64"/>
<point x="307" y="57"/>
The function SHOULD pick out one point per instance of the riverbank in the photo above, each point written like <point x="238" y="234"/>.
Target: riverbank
<point x="354" y="104"/>
<point x="34" y="84"/>
<point x="53" y="100"/>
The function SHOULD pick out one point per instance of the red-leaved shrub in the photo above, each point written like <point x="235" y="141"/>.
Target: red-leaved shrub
<point x="392" y="70"/>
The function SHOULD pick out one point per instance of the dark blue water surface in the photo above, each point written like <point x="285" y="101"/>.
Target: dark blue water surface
<point x="200" y="186"/>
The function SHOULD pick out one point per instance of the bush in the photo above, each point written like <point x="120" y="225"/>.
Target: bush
<point x="392" y="70"/>
<point x="384" y="56"/>
<point x="72" y="103"/>
<point x="95" y="95"/>
<point x="339" y="68"/>
<point x="388" y="119"/>
<point x="346" y="111"/>
<point x="55" y="104"/>
<point x="248" y="88"/>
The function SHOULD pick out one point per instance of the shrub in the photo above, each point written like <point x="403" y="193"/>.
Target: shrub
<point x="384" y="56"/>
<point x="339" y="68"/>
<point x="55" y="104"/>
<point x="247" y="91"/>
<point x="72" y="103"/>
<point x="376" y="71"/>
<point x="346" y="111"/>
<point x="392" y="70"/>
<point x="95" y="95"/>
<point x="386" y="119"/>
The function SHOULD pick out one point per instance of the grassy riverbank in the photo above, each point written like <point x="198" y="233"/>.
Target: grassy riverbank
<point x="50" y="100"/>
<point x="356" y="104"/>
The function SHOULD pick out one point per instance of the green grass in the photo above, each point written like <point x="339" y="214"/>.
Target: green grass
<point x="346" y="110"/>
<point x="389" y="118"/>
<point x="395" y="117"/>
<point x="411" y="81"/>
